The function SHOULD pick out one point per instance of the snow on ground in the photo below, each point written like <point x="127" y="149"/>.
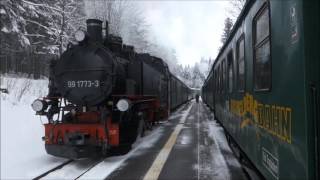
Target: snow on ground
<point x="219" y="163"/>
<point x="217" y="131"/>
<point x="22" y="151"/>
<point x="22" y="91"/>
<point x="221" y="168"/>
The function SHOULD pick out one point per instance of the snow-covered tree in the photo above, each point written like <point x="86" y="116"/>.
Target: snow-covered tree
<point x="197" y="76"/>
<point x="227" y="29"/>
<point x="47" y="25"/>
<point x="66" y="17"/>
<point x="125" y="19"/>
<point x="135" y="30"/>
<point x="13" y="23"/>
<point x="107" y="10"/>
<point x="236" y="7"/>
<point x="167" y="54"/>
<point x="34" y="30"/>
<point x="14" y="35"/>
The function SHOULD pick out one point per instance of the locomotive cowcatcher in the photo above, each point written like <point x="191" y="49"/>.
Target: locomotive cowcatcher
<point x="102" y="95"/>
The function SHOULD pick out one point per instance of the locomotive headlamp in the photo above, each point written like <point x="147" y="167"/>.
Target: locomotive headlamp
<point x="123" y="104"/>
<point x="39" y="105"/>
<point x="79" y="35"/>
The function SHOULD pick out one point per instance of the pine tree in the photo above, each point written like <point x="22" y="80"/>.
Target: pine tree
<point x="236" y="7"/>
<point x="227" y="29"/>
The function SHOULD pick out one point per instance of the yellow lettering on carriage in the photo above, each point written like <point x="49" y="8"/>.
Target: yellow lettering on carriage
<point x="287" y="125"/>
<point x="274" y="119"/>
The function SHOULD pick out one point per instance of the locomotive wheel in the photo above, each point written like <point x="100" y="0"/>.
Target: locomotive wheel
<point x="149" y="125"/>
<point x="105" y="149"/>
<point x="141" y="128"/>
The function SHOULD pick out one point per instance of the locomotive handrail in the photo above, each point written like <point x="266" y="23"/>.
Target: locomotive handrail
<point x="142" y="101"/>
<point x="81" y="70"/>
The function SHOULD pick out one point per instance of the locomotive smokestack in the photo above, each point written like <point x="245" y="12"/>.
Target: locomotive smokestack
<point x="94" y="29"/>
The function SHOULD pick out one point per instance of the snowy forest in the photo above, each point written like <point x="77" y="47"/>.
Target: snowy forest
<point x="33" y="32"/>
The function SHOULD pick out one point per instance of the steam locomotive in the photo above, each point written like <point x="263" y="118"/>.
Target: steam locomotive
<point x="103" y="95"/>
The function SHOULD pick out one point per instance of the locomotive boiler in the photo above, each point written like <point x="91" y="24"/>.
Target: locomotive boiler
<point x="103" y="95"/>
<point x="87" y="74"/>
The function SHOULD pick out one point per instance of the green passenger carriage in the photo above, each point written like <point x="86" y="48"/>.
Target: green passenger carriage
<point x="264" y="87"/>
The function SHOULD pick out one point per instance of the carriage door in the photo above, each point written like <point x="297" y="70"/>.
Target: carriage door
<point x="314" y="85"/>
<point x="312" y="32"/>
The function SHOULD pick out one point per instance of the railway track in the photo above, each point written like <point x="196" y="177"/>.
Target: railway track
<point x="92" y="166"/>
<point x="52" y="170"/>
<point x="77" y="167"/>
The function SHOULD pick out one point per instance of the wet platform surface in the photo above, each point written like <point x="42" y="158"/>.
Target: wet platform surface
<point x="192" y="145"/>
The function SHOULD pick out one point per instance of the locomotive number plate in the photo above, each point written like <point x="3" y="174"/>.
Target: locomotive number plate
<point x="83" y="84"/>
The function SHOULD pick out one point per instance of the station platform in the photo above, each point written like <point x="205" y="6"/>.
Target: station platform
<point x="192" y="145"/>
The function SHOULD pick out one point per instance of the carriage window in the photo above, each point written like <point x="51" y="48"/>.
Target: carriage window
<point x="215" y="81"/>
<point x="220" y="77"/>
<point x="230" y="72"/>
<point x="224" y="74"/>
<point x="262" y="59"/>
<point x="241" y="65"/>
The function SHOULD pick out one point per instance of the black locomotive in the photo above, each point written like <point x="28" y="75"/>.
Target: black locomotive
<point x="102" y="95"/>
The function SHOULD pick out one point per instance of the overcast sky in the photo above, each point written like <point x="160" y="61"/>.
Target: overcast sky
<point x="192" y="28"/>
